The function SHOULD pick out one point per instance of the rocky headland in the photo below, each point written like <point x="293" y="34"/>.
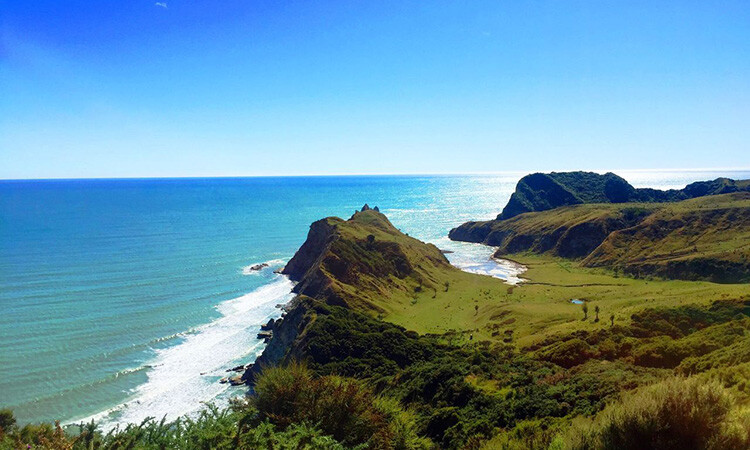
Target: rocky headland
<point x="362" y="264"/>
<point x="701" y="232"/>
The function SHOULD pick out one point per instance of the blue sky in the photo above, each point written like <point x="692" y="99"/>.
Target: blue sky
<point x="195" y="88"/>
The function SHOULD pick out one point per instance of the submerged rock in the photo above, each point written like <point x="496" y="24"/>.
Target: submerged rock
<point x="236" y="380"/>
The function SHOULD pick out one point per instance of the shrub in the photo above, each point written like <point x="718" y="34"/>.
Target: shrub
<point x="343" y="408"/>
<point x="678" y="413"/>
<point x="568" y="353"/>
<point x="281" y="392"/>
<point x="403" y="430"/>
<point x="7" y="421"/>
<point x="528" y="434"/>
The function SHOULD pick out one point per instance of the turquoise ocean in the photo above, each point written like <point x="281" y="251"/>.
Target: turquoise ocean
<point x="122" y="299"/>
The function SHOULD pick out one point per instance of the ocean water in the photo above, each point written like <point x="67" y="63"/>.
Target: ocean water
<point x="123" y="299"/>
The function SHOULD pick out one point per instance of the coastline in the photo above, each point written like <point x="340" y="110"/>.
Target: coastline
<point x="222" y="376"/>
<point x="185" y="376"/>
<point x="171" y="292"/>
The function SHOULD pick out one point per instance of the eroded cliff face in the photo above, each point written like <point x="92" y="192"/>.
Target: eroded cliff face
<point x="306" y="267"/>
<point x="319" y="239"/>
<point x="706" y="242"/>
<point x="287" y="333"/>
<point x="568" y="234"/>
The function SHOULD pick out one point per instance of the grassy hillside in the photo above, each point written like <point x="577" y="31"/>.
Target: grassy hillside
<point x="704" y="238"/>
<point x="545" y="191"/>
<point x="542" y="307"/>
<point x="366" y="264"/>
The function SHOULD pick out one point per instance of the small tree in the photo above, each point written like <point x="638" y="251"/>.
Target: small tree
<point x="585" y="308"/>
<point x="596" y="311"/>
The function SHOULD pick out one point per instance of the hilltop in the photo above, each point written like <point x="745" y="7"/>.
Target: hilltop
<point x="364" y="263"/>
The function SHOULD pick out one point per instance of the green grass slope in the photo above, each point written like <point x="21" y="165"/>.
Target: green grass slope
<point x="706" y="238"/>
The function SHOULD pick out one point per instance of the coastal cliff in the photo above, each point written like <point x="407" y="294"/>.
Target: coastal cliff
<point x="700" y="239"/>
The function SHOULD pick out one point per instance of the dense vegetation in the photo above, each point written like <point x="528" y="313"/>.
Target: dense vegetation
<point x="674" y="414"/>
<point x="365" y="382"/>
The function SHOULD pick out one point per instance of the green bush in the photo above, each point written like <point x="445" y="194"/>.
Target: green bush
<point x="568" y="353"/>
<point x="677" y="413"/>
<point x="343" y="408"/>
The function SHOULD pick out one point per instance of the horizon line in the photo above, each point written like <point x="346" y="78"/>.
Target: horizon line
<point x="375" y="174"/>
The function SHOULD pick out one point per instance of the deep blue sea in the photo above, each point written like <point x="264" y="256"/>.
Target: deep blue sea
<point x="122" y="299"/>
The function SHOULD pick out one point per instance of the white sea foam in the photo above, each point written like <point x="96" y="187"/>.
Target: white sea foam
<point x="182" y="377"/>
<point x="269" y="265"/>
<point x="477" y="258"/>
<point x="504" y="269"/>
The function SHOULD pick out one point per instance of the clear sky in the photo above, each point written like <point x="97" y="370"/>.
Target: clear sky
<point x="116" y="88"/>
